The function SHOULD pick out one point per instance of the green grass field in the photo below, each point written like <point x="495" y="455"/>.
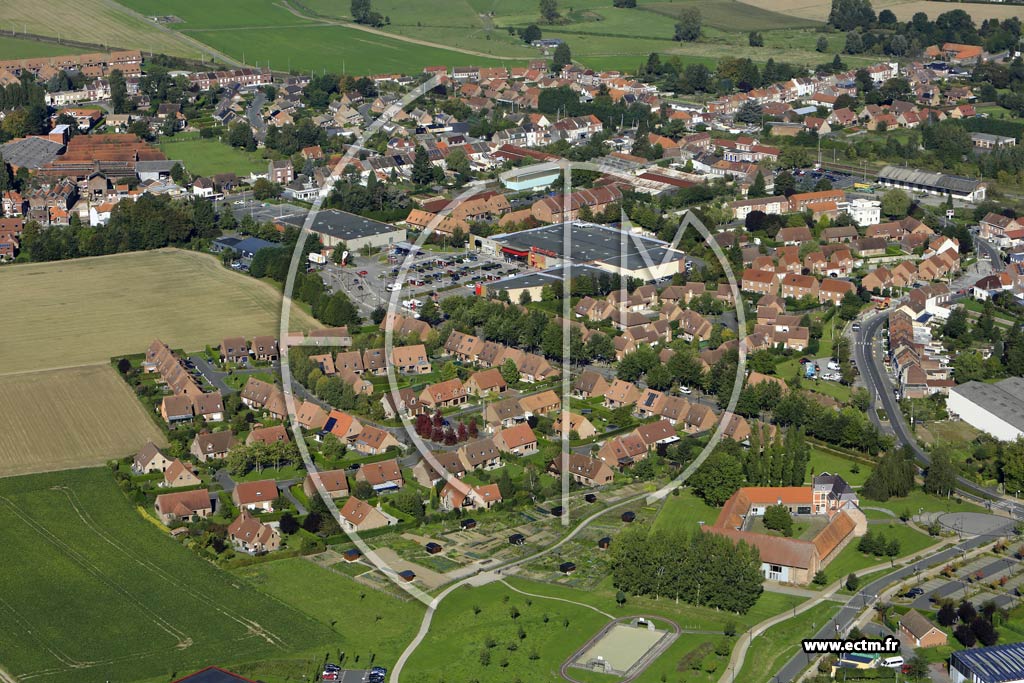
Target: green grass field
<point x="851" y="560"/>
<point x="17" y="48"/>
<point x="305" y="34"/>
<point x="367" y="623"/>
<point x="62" y="419"/>
<point x="773" y="648"/>
<point x="206" y="157"/>
<point x="336" y="48"/>
<point x="84" y="311"/>
<point x="685" y="511"/>
<point x="94" y="593"/>
<point x="822" y="461"/>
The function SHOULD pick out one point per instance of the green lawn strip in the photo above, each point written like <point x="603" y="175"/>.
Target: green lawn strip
<point x="851" y="560"/>
<point x="367" y="623"/>
<point x="773" y="648"/>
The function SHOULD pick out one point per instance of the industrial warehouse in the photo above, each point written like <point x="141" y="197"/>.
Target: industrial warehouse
<point x="600" y="246"/>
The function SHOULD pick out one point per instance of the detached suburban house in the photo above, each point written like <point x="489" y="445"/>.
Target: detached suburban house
<point x="385" y="475"/>
<point x="234" y="349"/>
<point x="185" y="505"/>
<point x="480" y="454"/>
<point x="179" y="474"/>
<point x="922" y="633"/>
<point x="458" y="495"/>
<point x="584" y="469"/>
<point x="250" y="535"/>
<point x="150" y="459"/>
<point x="444" y="394"/>
<point x="212" y="445"/>
<point x="255" y="495"/>
<point x="518" y="439"/>
<point x="358" y="515"/>
<point x="374" y="441"/>
<point x="335" y="482"/>
<point x="486" y="382"/>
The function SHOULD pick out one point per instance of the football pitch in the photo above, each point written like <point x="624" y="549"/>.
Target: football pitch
<point x="92" y="592"/>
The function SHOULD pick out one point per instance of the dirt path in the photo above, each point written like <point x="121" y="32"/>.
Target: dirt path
<point x="6" y="677"/>
<point x="405" y="39"/>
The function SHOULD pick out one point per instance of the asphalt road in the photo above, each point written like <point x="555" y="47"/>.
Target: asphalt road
<point x="800" y="661"/>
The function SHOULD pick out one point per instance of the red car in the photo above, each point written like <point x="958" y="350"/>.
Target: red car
<point x="364" y="273"/>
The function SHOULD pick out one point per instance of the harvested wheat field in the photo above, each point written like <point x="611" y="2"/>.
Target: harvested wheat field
<point x="64" y="419"/>
<point x="81" y="312"/>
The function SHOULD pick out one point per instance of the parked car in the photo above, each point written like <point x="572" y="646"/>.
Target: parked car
<point x="914" y="592"/>
<point x="686" y="391"/>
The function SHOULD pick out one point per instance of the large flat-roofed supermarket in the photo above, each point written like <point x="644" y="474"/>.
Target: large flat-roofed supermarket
<point x="601" y="246"/>
<point x="336" y="227"/>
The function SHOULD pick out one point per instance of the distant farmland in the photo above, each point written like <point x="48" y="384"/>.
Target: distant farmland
<point x="82" y="312"/>
<point x="93" y="593"/>
<point x="93" y="21"/>
<point x="63" y="419"/>
<point x="818" y="10"/>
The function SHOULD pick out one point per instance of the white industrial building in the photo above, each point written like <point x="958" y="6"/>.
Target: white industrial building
<point x="997" y="409"/>
<point x="864" y="212"/>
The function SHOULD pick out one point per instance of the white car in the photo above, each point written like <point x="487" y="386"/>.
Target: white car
<point x="832" y="365"/>
<point x="685" y="391"/>
<point x="394" y="286"/>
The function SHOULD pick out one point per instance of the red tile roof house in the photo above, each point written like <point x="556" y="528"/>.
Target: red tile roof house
<point x="335" y="482"/>
<point x="519" y="440"/>
<point x="654" y="434"/>
<point x="385" y="475"/>
<point x="444" y="394"/>
<point x="759" y="281"/>
<point x="544" y="403"/>
<point x="410" y="360"/>
<point x="798" y="286"/>
<point x="623" y="451"/>
<point x="212" y="446"/>
<point x="486" y="382"/>
<point x="621" y="394"/>
<point x="583" y="469"/>
<point x="374" y="441"/>
<point x="250" y="535"/>
<point x="458" y="495"/>
<point x="833" y="291"/>
<point x="268" y="435"/>
<point x="184" y="505"/>
<point x="179" y="474"/>
<point x="260" y="395"/>
<point x="255" y="495"/>
<point x="358" y="515"/>
<point x="583" y="427"/>
<point x="234" y="349"/>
